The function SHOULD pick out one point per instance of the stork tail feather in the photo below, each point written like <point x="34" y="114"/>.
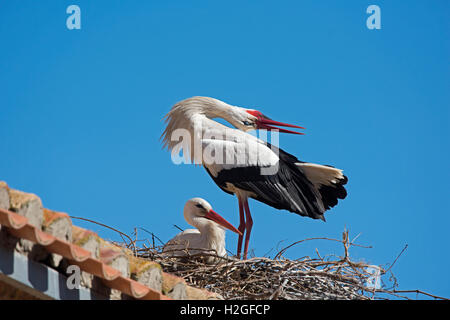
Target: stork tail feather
<point x="328" y="180"/>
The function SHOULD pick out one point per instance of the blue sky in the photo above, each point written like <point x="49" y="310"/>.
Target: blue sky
<point x="81" y="115"/>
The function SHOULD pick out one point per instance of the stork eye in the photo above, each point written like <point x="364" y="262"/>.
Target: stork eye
<point x="198" y="205"/>
<point x="246" y="123"/>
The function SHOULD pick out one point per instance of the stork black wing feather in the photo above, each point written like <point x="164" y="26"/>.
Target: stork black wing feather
<point x="287" y="189"/>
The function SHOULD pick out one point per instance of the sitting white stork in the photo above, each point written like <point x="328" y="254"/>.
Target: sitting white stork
<point x="207" y="239"/>
<point x="248" y="166"/>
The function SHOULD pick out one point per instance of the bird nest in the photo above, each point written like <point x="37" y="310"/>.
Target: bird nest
<point x="267" y="278"/>
<point x="312" y="278"/>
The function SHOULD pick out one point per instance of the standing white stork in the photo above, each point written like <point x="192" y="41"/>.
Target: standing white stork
<point x="209" y="237"/>
<point x="304" y="188"/>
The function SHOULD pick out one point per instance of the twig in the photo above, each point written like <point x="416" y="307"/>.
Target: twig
<point x="153" y="236"/>
<point x="398" y="256"/>
<point x="178" y="227"/>
<point x="106" y="226"/>
<point x="420" y="292"/>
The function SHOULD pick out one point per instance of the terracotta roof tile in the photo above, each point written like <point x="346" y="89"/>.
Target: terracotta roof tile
<point x="12" y="220"/>
<point x="51" y="217"/>
<point x="21" y="228"/>
<point x="28" y="205"/>
<point x="25" y="218"/>
<point x="58" y="224"/>
<point x="18" y="199"/>
<point x="30" y="232"/>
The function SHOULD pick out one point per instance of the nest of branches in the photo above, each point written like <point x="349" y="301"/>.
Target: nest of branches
<point x="312" y="278"/>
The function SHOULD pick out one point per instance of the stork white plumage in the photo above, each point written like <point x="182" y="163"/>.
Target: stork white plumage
<point x="248" y="167"/>
<point x="209" y="235"/>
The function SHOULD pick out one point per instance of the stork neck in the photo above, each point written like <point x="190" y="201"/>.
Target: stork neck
<point x="198" y="107"/>
<point x="195" y="115"/>
<point x="213" y="236"/>
<point x="222" y="110"/>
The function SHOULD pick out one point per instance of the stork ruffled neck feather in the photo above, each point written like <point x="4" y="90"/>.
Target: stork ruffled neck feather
<point x="194" y="115"/>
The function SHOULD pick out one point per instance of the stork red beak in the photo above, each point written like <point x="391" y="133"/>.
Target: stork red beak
<point x="214" y="216"/>
<point x="264" y="122"/>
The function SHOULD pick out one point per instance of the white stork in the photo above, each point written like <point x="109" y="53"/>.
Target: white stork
<point x="209" y="237"/>
<point x="304" y="188"/>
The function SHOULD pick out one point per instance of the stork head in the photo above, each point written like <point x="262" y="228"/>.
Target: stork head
<point x="197" y="210"/>
<point x="249" y="119"/>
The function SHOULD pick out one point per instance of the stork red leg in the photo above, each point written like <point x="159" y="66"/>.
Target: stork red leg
<point x="248" y="226"/>
<point x="241" y="227"/>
